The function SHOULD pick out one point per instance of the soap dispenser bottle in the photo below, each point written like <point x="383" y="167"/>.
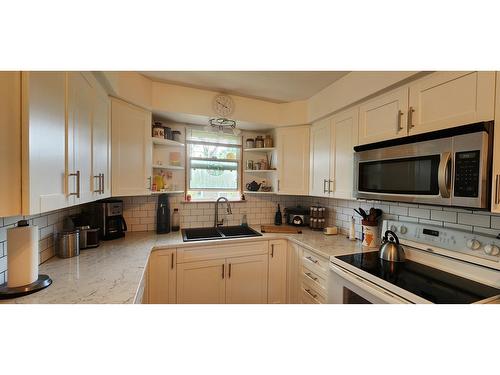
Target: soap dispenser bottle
<point x="278" y="220"/>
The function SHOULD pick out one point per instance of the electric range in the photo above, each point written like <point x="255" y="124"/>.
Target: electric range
<point x="445" y="266"/>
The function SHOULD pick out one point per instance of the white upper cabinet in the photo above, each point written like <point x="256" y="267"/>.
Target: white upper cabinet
<point x="10" y="143"/>
<point x="131" y="149"/>
<point x="495" y="180"/>
<point x="79" y="142"/>
<point x="344" y="137"/>
<point x="320" y="158"/>
<point x="293" y="160"/>
<point x="332" y="153"/>
<point x="101" y="146"/>
<point x="44" y="141"/>
<point x="384" y="117"/>
<point x="447" y="99"/>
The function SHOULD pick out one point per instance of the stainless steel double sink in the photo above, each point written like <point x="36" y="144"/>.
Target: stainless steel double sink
<point x="218" y="233"/>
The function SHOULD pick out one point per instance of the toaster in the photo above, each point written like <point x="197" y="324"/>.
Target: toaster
<point x="297" y="216"/>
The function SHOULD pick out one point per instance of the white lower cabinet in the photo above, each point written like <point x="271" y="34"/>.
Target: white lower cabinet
<point x="294" y="255"/>
<point x="277" y="271"/>
<point x="161" y="285"/>
<point x="202" y="282"/>
<point x="246" y="279"/>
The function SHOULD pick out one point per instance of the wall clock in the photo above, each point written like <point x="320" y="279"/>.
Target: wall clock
<point x="223" y="105"/>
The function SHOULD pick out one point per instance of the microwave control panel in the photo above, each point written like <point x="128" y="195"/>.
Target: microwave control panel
<point x="467" y="174"/>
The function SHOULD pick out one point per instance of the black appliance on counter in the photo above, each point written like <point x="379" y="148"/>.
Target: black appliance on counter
<point x="163" y="215"/>
<point x="89" y="234"/>
<point x="108" y="215"/>
<point x="297" y="216"/>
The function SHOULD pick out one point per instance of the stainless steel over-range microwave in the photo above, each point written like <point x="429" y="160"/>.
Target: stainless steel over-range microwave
<point x="449" y="167"/>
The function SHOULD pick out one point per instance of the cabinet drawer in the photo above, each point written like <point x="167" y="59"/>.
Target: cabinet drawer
<point x="309" y="295"/>
<point x="314" y="262"/>
<point x="206" y="252"/>
<point x="317" y="281"/>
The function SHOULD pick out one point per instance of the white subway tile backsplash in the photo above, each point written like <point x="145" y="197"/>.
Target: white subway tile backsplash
<point x="422" y="213"/>
<point x="448" y="216"/>
<point x="398" y="210"/>
<point x="474" y="220"/>
<point x="495" y="222"/>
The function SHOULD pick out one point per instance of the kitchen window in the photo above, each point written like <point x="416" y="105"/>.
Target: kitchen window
<point x="213" y="165"/>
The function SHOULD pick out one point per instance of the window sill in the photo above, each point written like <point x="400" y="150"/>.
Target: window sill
<point x="212" y="201"/>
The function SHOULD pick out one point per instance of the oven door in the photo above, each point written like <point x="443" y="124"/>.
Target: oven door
<point x="419" y="172"/>
<point x="347" y="288"/>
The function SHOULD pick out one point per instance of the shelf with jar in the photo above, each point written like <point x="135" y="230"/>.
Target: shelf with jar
<point x="259" y="160"/>
<point x="168" y="168"/>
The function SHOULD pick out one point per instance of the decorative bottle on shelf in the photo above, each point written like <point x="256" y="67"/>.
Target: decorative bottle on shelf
<point x="278" y="220"/>
<point x="175" y="220"/>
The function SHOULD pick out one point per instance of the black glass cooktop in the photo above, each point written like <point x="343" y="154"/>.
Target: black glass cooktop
<point x="429" y="283"/>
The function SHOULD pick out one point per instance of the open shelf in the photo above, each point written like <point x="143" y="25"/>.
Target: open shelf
<point x="167" y="142"/>
<point x="168" y="192"/>
<point x="259" y="170"/>
<point x="260" y="149"/>
<point x="258" y="192"/>
<point x="170" y="167"/>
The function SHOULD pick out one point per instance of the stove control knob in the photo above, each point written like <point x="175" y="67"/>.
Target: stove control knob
<point x="394" y="228"/>
<point x="473" y="244"/>
<point x="491" y="250"/>
<point x="403" y="229"/>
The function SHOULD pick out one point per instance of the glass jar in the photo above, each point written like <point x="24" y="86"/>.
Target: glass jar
<point x="268" y="141"/>
<point x="259" y="142"/>
<point x="250" y="143"/>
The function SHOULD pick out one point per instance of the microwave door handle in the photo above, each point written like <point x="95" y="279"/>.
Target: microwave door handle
<point x="444" y="174"/>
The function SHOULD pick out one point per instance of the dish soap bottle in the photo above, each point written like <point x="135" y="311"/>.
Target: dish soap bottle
<point x="278" y="220"/>
<point x="175" y="220"/>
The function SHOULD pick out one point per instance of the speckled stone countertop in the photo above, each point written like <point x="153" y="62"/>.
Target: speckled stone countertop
<point x="113" y="272"/>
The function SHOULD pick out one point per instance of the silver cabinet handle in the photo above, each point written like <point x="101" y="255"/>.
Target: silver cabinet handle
<point x="400" y="115"/>
<point x="312" y="260"/>
<point x="309" y="274"/>
<point x="98" y="184"/>
<point x="325" y="189"/>
<point x="410" y="118"/>
<point x="310" y="293"/>
<point x="278" y="185"/>
<point x="330" y="182"/>
<point x="272" y="251"/>
<point x="497" y="185"/>
<point x="77" y="175"/>
<point x="150" y="179"/>
<point x="102" y="183"/>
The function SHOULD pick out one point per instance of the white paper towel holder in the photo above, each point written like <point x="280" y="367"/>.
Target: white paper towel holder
<point x="42" y="282"/>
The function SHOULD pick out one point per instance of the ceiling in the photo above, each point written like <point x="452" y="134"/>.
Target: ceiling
<point x="277" y="86"/>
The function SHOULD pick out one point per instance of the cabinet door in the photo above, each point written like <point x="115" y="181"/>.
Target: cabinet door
<point x="101" y="146"/>
<point x="247" y="279"/>
<point x="44" y="141"/>
<point x="495" y="187"/>
<point x="277" y="272"/>
<point x="384" y="117"/>
<point x="293" y="163"/>
<point x="293" y="272"/>
<point x="79" y="142"/>
<point x="162" y="277"/>
<point x="320" y="158"/>
<point x="201" y="282"/>
<point x="10" y="143"/>
<point x="344" y="137"/>
<point x="446" y="99"/>
<point x="131" y="149"/>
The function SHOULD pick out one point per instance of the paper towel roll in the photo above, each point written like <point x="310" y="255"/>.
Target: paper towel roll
<point x="22" y="255"/>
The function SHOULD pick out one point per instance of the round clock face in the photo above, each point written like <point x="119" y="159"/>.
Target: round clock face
<point x="223" y="105"/>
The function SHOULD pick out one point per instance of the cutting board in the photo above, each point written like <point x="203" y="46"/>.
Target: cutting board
<point x="279" y="229"/>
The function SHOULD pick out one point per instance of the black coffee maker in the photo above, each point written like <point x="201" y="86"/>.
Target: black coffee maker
<point x="163" y="215"/>
<point x="109" y="217"/>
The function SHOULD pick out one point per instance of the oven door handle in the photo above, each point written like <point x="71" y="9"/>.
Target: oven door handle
<point x="369" y="287"/>
<point x="444" y="170"/>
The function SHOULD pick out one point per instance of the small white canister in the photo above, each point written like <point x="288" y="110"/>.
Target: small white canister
<point x="371" y="234"/>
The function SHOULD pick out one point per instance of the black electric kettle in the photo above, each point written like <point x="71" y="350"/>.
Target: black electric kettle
<point x="390" y="249"/>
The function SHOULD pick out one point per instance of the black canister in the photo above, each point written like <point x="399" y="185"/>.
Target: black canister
<point x="163" y="215"/>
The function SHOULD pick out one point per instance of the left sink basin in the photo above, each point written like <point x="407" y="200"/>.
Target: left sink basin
<point x="200" y="234"/>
